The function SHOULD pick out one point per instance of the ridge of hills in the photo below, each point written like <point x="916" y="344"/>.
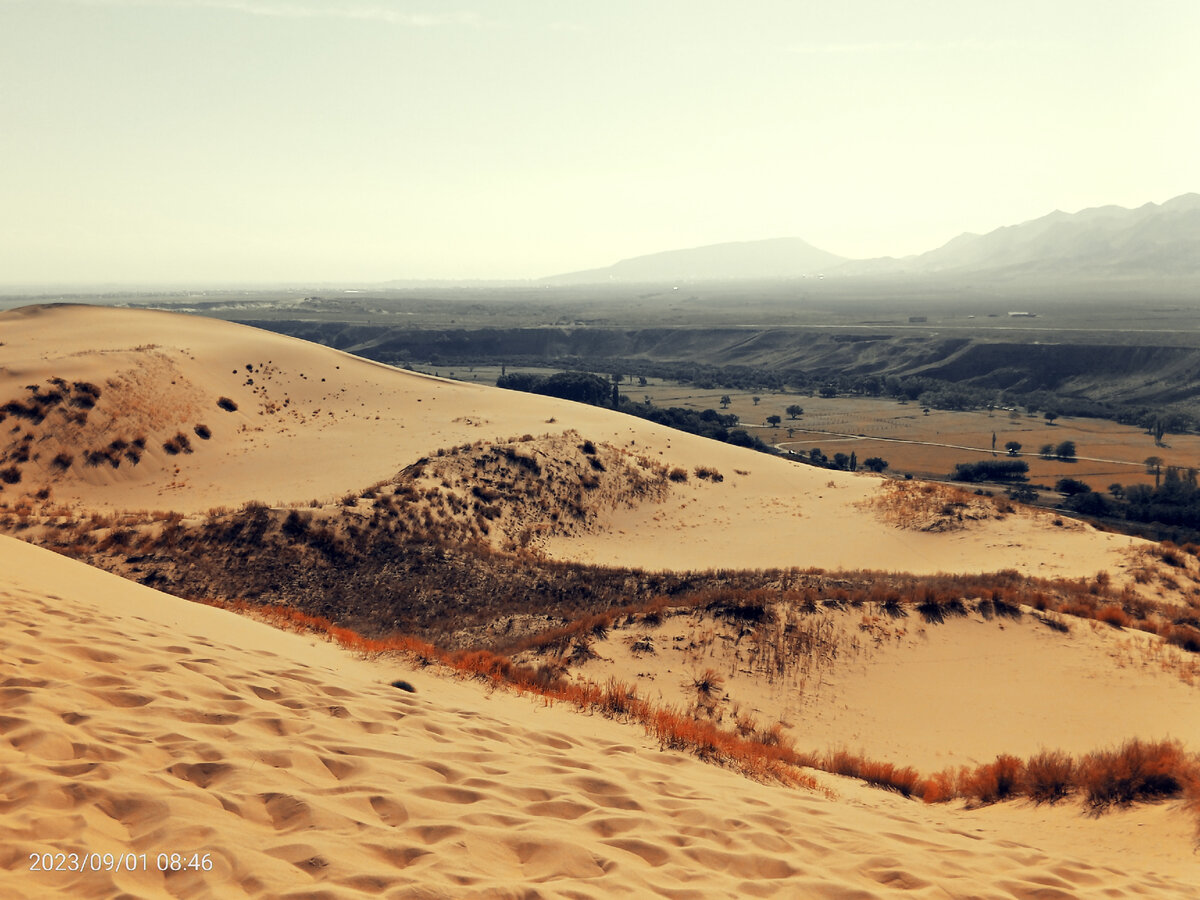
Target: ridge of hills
<point x="770" y="258"/>
<point x="1153" y="240"/>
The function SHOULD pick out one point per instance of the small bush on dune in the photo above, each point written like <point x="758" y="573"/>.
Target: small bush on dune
<point x="226" y="404"/>
<point x="1113" y="615"/>
<point x="994" y="781"/>
<point x="178" y="444"/>
<point x="1185" y="636"/>
<point x="939" y="788"/>
<point x="678" y="474"/>
<point x="904" y="780"/>
<point x="203" y="432"/>
<point x="1049" y="776"/>
<point x="708" y="682"/>
<point x="1138" y="770"/>
<point x="10" y="475"/>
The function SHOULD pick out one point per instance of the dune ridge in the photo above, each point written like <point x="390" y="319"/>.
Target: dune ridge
<point x="312" y="423"/>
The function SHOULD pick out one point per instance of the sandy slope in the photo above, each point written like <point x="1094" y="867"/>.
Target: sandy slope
<point x="315" y="423"/>
<point x="913" y="693"/>
<point x="134" y="723"/>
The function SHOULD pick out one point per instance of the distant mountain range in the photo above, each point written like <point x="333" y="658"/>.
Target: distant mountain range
<point x="1107" y="241"/>
<point x="775" y="258"/>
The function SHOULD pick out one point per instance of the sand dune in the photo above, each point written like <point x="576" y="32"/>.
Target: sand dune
<point x="139" y="725"/>
<point x="135" y="723"/>
<point x="312" y="424"/>
<point x="911" y="692"/>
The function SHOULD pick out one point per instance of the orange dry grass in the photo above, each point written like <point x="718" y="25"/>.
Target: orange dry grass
<point x="774" y="760"/>
<point x="1138" y="770"/>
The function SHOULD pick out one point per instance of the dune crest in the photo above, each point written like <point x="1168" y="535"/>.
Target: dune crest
<point x="309" y="423"/>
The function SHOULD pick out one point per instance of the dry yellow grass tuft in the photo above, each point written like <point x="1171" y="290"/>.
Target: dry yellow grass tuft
<point x="929" y="506"/>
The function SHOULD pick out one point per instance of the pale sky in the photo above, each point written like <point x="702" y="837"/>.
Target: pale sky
<point x="220" y="141"/>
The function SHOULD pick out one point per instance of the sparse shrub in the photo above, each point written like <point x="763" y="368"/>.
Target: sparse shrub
<point x="226" y="404"/>
<point x="588" y="448"/>
<point x="935" y="611"/>
<point x="939" y="788"/>
<point x="1113" y="615"/>
<point x="707" y="473"/>
<point x="1138" y="770"/>
<point x="10" y="475"/>
<point x="203" y="432"/>
<point x="708" y="682"/>
<point x="1172" y="557"/>
<point x="1184" y="636"/>
<point x="904" y="780"/>
<point x="62" y="462"/>
<point x="1049" y="776"/>
<point x="677" y="474"/>
<point x="994" y="781"/>
<point x="178" y="444"/>
<point x="296" y="524"/>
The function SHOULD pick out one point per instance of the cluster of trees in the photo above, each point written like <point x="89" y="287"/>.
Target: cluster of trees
<point x="1175" y="501"/>
<point x="582" y="387"/>
<point x="708" y="423"/>
<point x="1064" y="451"/>
<point x="1003" y="470"/>
<point x="847" y="462"/>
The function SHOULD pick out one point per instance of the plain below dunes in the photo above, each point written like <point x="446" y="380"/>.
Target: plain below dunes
<point x="313" y="423"/>
<point x="137" y="723"/>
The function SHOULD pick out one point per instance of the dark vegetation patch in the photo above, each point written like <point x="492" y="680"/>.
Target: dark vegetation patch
<point x="180" y="443"/>
<point x="585" y="387"/>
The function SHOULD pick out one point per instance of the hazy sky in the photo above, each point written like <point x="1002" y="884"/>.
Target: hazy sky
<point x="322" y="140"/>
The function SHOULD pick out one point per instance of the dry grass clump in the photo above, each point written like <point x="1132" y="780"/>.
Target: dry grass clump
<point x="707" y="473"/>
<point x="1136" y="771"/>
<point x="928" y="506"/>
<point x="904" y="780"/>
<point x="992" y="782"/>
<point x="678" y="474"/>
<point x="708" y="683"/>
<point x="1049" y="776"/>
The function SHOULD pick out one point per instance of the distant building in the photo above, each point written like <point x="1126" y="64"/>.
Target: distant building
<point x="1022" y="315"/>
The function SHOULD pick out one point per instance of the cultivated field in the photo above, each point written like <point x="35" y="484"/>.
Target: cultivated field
<point x="913" y="442"/>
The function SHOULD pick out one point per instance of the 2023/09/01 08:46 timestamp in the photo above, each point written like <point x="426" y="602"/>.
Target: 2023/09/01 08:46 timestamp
<point x="120" y="862"/>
